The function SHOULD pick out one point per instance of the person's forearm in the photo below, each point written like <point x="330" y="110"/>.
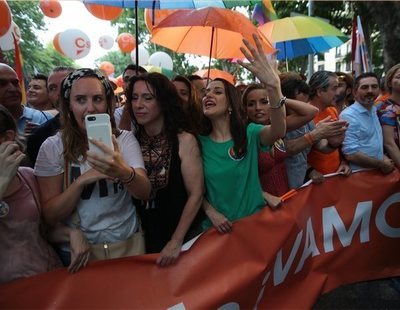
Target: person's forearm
<point x="364" y="160"/>
<point x="394" y="153"/>
<point x="190" y="211"/>
<point x="139" y="187"/>
<point x="295" y="146"/>
<point x="59" y="233"/>
<point x="300" y="114"/>
<point x="61" y="206"/>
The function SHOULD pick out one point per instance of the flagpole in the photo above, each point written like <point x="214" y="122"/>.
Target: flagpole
<point x="310" y="56"/>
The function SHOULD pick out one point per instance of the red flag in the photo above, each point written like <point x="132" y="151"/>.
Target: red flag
<point x="19" y="69"/>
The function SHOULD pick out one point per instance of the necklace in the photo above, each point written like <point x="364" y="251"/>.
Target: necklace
<point x="156" y="152"/>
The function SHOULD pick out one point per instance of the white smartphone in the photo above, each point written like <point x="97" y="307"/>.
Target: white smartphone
<point x="98" y="126"/>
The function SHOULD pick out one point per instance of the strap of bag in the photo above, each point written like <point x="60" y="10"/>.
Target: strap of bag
<point x="75" y="218"/>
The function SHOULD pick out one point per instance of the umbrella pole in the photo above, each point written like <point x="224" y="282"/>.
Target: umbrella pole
<point x="137" y="37"/>
<point x="209" y="61"/>
<point x="287" y="65"/>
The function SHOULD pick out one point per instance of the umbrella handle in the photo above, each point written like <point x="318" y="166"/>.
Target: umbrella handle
<point x="137" y="37"/>
<point x="209" y="61"/>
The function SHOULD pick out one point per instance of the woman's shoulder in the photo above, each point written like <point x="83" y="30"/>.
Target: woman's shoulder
<point x="186" y="137"/>
<point x="53" y="141"/>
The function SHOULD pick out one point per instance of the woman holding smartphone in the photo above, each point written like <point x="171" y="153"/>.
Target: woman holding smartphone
<point x="88" y="190"/>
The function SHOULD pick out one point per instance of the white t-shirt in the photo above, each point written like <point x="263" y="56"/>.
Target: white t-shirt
<point x="106" y="209"/>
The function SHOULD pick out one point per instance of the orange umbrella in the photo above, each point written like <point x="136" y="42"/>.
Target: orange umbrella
<point x="213" y="32"/>
<point x="215" y="73"/>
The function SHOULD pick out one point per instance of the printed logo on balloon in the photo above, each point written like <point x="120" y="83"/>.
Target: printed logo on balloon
<point x="72" y="43"/>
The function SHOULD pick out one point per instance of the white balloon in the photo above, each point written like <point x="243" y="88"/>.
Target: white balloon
<point x="161" y="59"/>
<point x="74" y="43"/>
<point x="106" y="41"/>
<point x="7" y="41"/>
<point x="143" y="56"/>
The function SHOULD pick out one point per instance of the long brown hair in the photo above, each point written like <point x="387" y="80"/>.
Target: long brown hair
<point x="238" y="119"/>
<point x="192" y="109"/>
<point x="73" y="138"/>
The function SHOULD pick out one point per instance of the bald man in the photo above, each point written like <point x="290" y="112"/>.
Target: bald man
<point x="11" y="97"/>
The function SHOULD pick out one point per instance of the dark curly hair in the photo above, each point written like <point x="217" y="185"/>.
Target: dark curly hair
<point x="168" y="99"/>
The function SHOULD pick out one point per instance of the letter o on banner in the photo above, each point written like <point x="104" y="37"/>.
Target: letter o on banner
<point x="106" y="41"/>
<point x="104" y="12"/>
<point x="143" y="56"/>
<point x="7" y="41"/>
<point x="5" y="20"/>
<point x="159" y="15"/>
<point x="161" y="59"/>
<point x="107" y="67"/>
<point x="50" y="8"/>
<point x="126" y="42"/>
<point x="72" y="43"/>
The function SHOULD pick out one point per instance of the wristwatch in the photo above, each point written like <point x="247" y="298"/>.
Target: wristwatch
<point x="281" y="102"/>
<point x="4" y="209"/>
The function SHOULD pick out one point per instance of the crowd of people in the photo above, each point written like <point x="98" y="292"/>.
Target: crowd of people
<point x="189" y="154"/>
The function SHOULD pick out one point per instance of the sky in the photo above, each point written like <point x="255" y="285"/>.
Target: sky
<point x="75" y="15"/>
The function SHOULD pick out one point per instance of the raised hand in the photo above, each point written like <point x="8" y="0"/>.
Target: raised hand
<point x="265" y="69"/>
<point x="10" y="158"/>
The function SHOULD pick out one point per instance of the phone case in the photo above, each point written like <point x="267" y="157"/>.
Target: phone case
<point x="98" y="127"/>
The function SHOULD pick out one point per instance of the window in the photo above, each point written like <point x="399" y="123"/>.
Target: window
<point x="338" y="66"/>
<point x="338" y="51"/>
<point x="348" y="66"/>
<point x="321" y="56"/>
<point x="321" y="68"/>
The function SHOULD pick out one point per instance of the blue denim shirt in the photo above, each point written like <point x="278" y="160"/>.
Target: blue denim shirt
<point x="296" y="165"/>
<point x="34" y="116"/>
<point x="364" y="133"/>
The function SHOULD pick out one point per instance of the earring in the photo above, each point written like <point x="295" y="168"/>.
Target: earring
<point x="230" y="111"/>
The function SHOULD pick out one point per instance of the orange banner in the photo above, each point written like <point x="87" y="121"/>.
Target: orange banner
<point x="342" y="231"/>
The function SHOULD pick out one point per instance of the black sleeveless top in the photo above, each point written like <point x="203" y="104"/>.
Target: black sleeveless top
<point x="161" y="214"/>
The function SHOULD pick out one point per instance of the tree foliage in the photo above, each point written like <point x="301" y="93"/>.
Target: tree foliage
<point x="29" y="18"/>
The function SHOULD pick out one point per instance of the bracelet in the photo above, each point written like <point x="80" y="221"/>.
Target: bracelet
<point x="130" y="178"/>
<point x="280" y="104"/>
<point x="309" y="139"/>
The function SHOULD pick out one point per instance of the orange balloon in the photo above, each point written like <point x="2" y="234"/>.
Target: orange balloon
<point x="104" y="12"/>
<point x="107" y="67"/>
<point x="5" y="20"/>
<point x="51" y="8"/>
<point x="159" y="15"/>
<point x="56" y="43"/>
<point x="126" y="42"/>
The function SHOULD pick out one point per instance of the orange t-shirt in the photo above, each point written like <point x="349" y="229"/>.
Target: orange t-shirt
<point x="325" y="163"/>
